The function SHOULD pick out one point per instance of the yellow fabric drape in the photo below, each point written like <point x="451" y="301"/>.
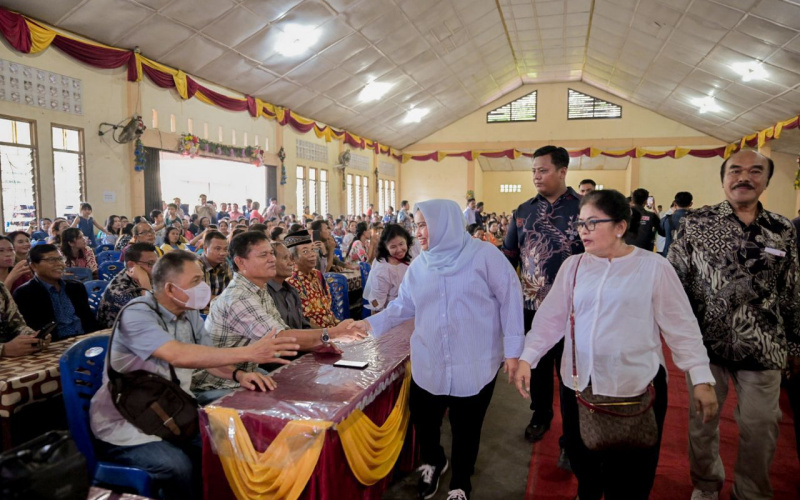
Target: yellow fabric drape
<point x="372" y="451"/>
<point x="281" y="471"/>
<point x="41" y="37"/>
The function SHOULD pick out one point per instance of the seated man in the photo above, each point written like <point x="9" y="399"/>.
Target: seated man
<point x="154" y="332"/>
<point x="309" y="282"/>
<point x="216" y="271"/>
<point x="143" y="232"/>
<point x="245" y="313"/>
<point x="286" y="298"/>
<point x="16" y="338"/>
<point x="47" y="297"/>
<point x="126" y="286"/>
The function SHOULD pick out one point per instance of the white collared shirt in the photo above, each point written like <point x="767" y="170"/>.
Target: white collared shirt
<point x="621" y="308"/>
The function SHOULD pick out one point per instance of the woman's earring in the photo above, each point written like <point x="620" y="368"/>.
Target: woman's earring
<point x="619" y="236"/>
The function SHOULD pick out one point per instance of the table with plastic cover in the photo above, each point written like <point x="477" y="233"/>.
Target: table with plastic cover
<point x="311" y="388"/>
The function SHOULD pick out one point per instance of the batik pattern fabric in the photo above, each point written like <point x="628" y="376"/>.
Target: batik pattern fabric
<point x="540" y="240"/>
<point x="315" y="296"/>
<point x="742" y="282"/>
<point x="121" y="290"/>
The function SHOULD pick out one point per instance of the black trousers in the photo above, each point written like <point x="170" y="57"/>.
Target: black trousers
<point x="466" y="419"/>
<point x="626" y="475"/>
<point x="542" y="378"/>
<point x="793" y="390"/>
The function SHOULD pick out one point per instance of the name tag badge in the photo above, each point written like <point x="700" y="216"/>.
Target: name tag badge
<point x="775" y="251"/>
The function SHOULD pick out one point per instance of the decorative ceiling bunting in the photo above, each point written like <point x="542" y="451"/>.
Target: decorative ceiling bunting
<point x="28" y="36"/>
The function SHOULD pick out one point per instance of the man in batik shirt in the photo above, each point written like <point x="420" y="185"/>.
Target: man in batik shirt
<point x="738" y="265"/>
<point x="128" y="284"/>
<point x="309" y="282"/>
<point x="539" y="240"/>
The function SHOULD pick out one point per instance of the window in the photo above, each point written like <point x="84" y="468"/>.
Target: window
<point x="18" y="173"/>
<point x="381" y="196"/>
<point x="520" y="110"/>
<point x="68" y="169"/>
<point x="365" y="187"/>
<point x="359" y="207"/>
<point x="392" y="201"/>
<point x="582" y="106"/>
<point x="301" y="189"/>
<point x="510" y="188"/>
<point x="323" y="191"/>
<point x="349" y="194"/>
<point x="312" y="190"/>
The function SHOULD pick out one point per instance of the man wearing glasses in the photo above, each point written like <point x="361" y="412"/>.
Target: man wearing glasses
<point x="126" y="286"/>
<point x="48" y="297"/>
<point x="143" y="232"/>
<point x="539" y="240"/>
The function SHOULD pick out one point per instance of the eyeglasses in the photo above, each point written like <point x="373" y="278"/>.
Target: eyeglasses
<point x="590" y="224"/>
<point x="55" y="260"/>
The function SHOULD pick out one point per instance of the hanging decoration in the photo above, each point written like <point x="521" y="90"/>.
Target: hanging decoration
<point x="282" y="157"/>
<point x="470" y="194"/>
<point x="190" y="145"/>
<point x="139" y="156"/>
<point x="30" y="37"/>
<point x="797" y="175"/>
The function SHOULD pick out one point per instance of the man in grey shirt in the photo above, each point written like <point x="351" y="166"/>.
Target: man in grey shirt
<point x="153" y="332"/>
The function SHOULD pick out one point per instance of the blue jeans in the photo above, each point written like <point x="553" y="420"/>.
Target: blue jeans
<point x="176" y="470"/>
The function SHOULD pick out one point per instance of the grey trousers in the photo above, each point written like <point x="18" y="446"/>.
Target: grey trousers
<point x="757" y="415"/>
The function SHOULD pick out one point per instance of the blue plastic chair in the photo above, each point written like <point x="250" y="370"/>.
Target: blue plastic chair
<point x="108" y="256"/>
<point x="337" y="284"/>
<point x="78" y="273"/>
<point x="95" y="289"/>
<point x="191" y="248"/>
<point x="37" y="243"/>
<point x="81" y="375"/>
<point x="365" y="269"/>
<point x="338" y="240"/>
<point x="107" y="270"/>
<point x="338" y="253"/>
<point x="104" y="247"/>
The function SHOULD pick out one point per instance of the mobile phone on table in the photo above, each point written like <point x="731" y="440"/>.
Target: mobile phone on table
<point x="358" y="365"/>
<point x="46" y="330"/>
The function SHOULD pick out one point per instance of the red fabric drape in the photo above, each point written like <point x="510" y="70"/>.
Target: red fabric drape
<point x="707" y="153"/>
<point x="302" y="127"/>
<point x="94" y="55"/>
<point x="159" y="78"/>
<point x="15" y="29"/>
<point x="223" y="101"/>
<point x="631" y="153"/>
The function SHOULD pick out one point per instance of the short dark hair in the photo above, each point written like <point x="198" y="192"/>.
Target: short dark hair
<point x="38" y="252"/>
<point x="85" y="206"/>
<point x="474" y="228"/>
<point x="390" y="232"/>
<point x="683" y="199"/>
<point x="172" y="205"/>
<point x="404" y="203"/>
<point x="258" y="227"/>
<point x="587" y="181"/>
<point x="558" y="156"/>
<point x="136" y="231"/>
<point x="317" y="224"/>
<point x="470" y="200"/>
<point x="155" y="213"/>
<point x="770" y="164"/>
<point x="213" y="235"/>
<point x="134" y="252"/>
<point x="639" y="196"/>
<point x="241" y="244"/>
<point x="170" y="264"/>
<point x="48" y="219"/>
<point x="295" y="227"/>
<point x="480" y="204"/>
<point x="275" y="233"/>
<point x="612" y="203"/>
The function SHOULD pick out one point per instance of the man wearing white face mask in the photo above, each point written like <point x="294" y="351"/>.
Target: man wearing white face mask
<point x="162" y="329"/>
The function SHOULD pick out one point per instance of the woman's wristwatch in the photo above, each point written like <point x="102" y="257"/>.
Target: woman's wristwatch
<point x="326" y="339"/>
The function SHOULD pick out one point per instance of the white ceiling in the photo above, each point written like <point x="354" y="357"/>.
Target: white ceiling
<point x="453" y="56"/>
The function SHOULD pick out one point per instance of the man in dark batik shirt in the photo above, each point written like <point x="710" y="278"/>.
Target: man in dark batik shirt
<point x="738" y="265"/>
<point x="539" y="241"/>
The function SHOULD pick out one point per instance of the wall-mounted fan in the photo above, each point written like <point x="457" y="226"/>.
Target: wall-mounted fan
<point x="124" y="131"/>
<point x="344" y="160"/>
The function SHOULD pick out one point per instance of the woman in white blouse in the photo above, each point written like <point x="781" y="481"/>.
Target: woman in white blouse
<point x="389" y="268"/>
<point x="625" y="298"/>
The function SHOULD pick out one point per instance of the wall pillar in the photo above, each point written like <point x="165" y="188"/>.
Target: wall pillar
<point x="471" y="165"/>
<point x="137" y="207"/>
<point x="632" y="177"/>
<point x="281" y="187"/>
<point x="766" y="151"/>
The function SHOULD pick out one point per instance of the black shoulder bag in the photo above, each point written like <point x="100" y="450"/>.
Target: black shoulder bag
<point x="154" y="404"/>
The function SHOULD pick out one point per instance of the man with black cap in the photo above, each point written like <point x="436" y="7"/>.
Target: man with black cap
<point x="308" y="281"/>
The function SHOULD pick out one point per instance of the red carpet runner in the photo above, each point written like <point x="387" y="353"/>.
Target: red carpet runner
<point x="547" y="481"/>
